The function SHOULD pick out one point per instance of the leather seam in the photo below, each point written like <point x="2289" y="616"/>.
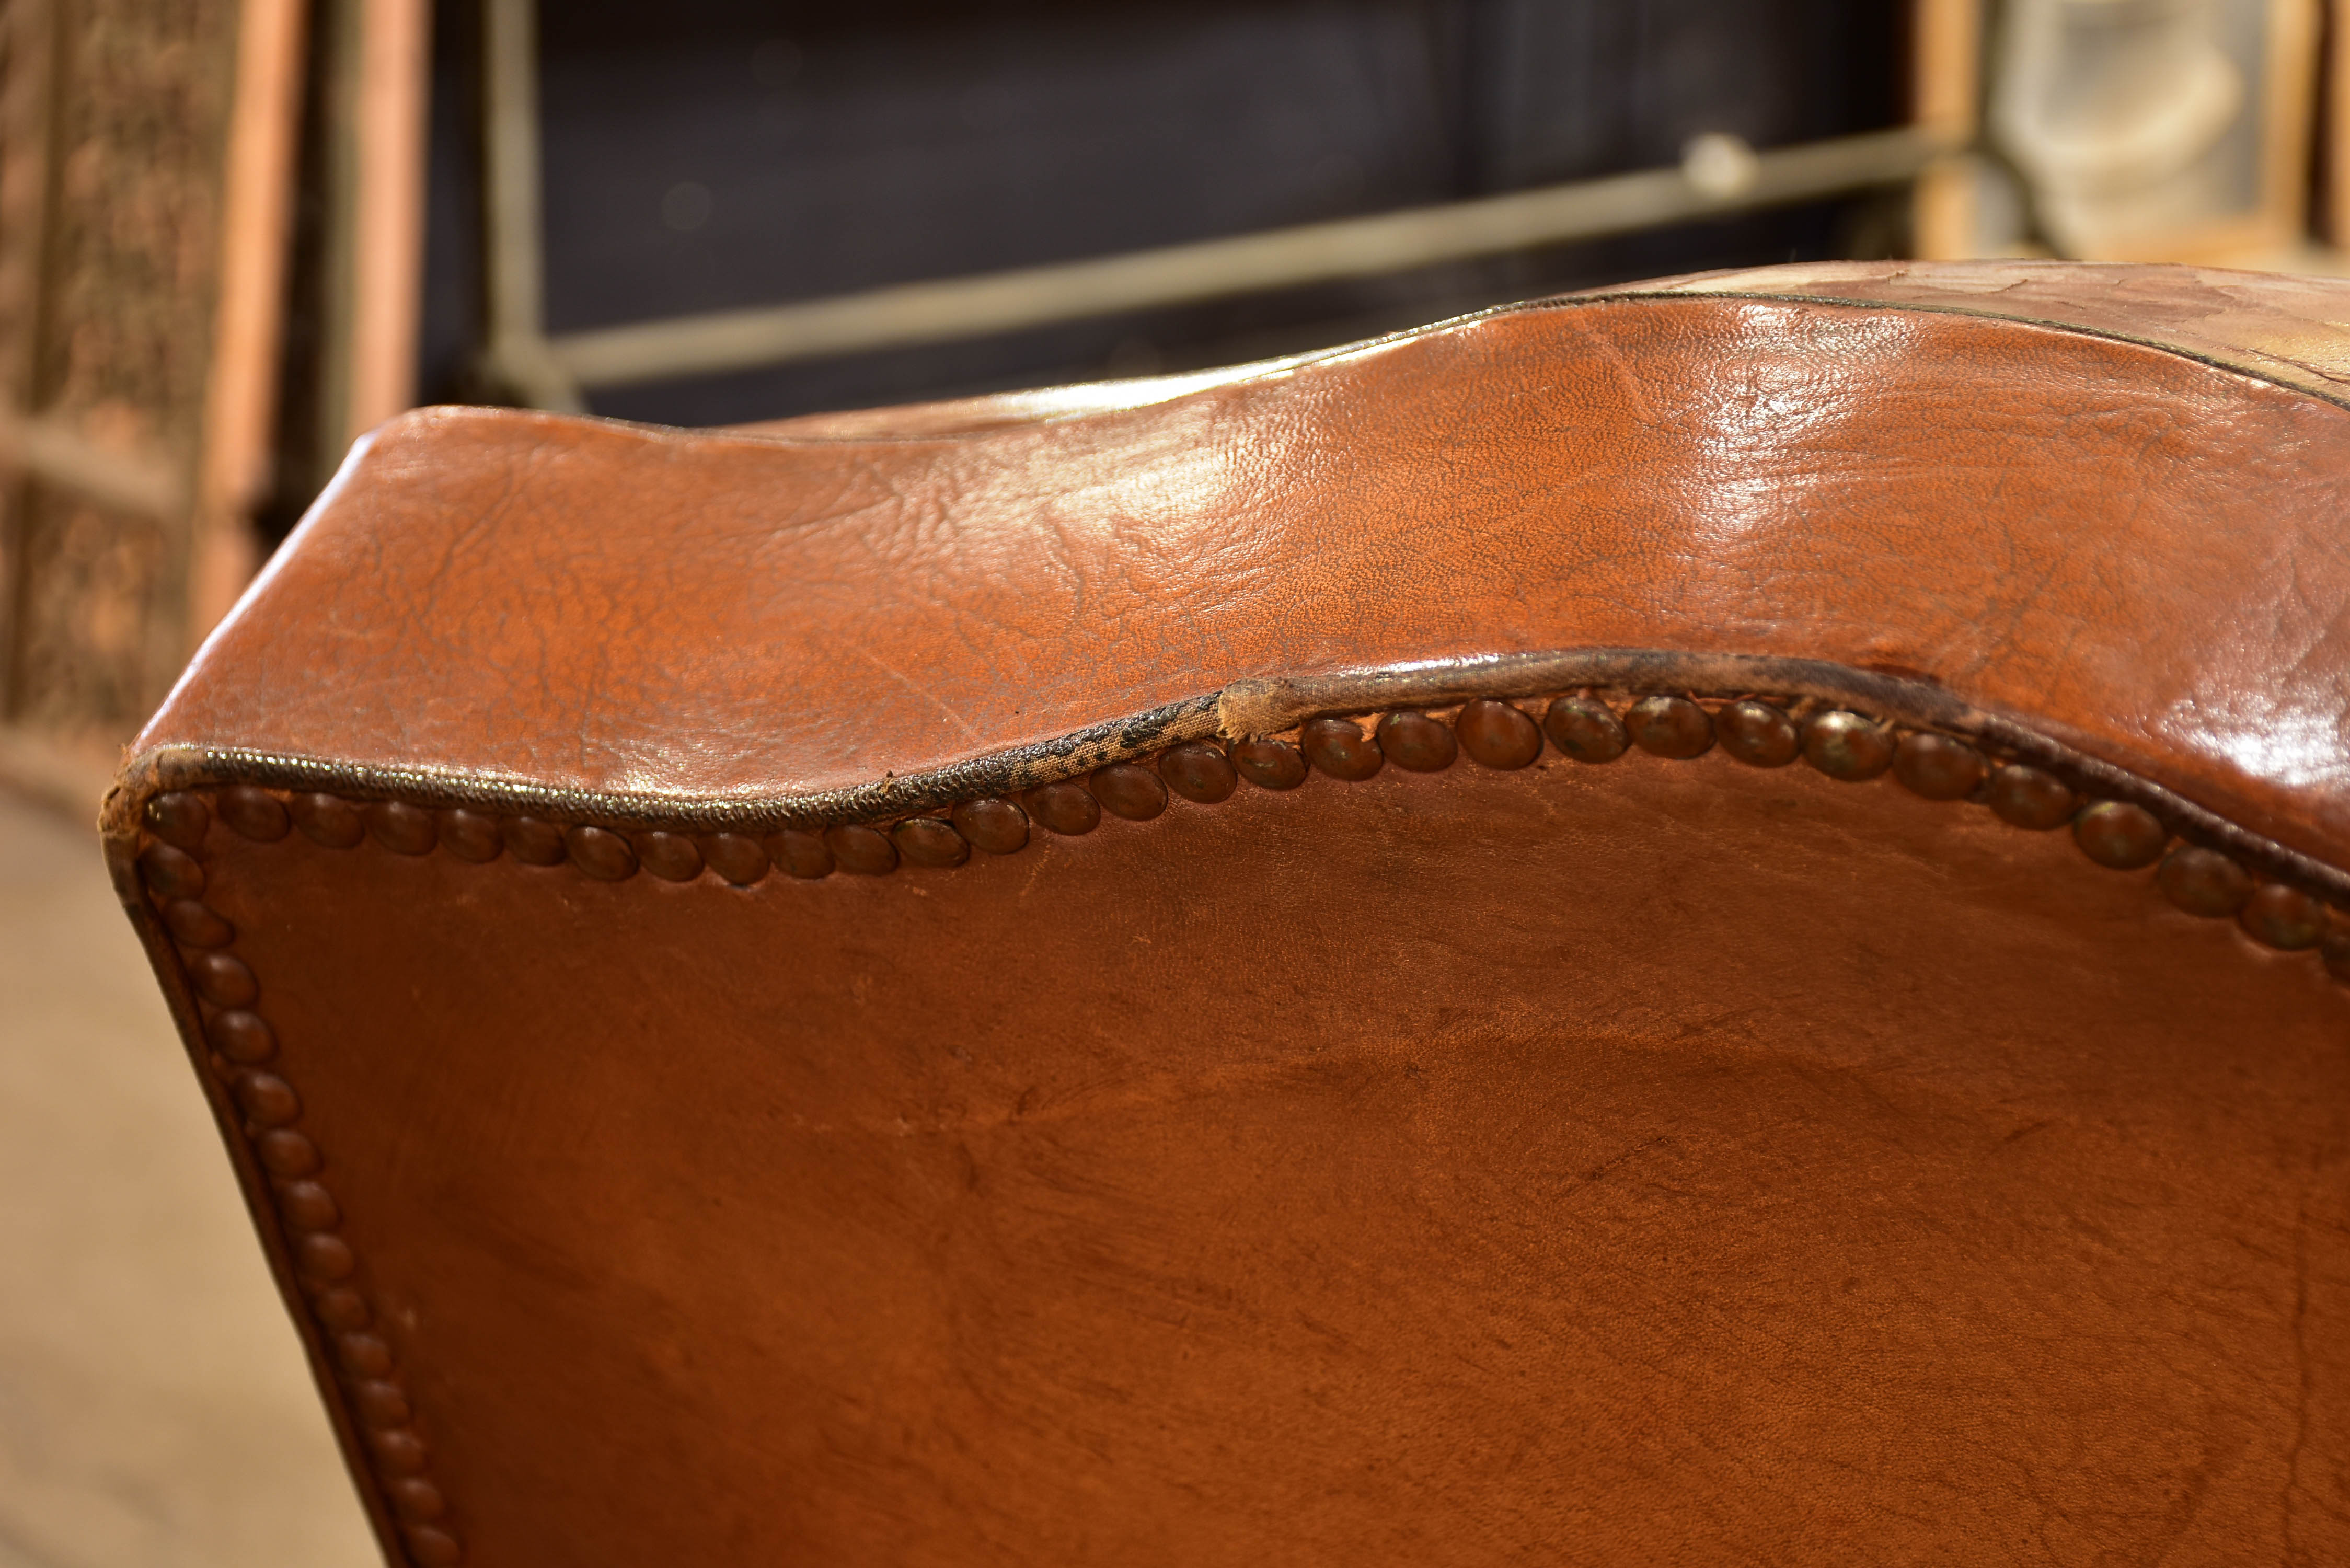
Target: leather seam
<point x="1236" y="711"/>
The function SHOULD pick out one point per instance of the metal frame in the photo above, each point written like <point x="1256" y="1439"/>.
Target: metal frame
<point x="523" y="362"/>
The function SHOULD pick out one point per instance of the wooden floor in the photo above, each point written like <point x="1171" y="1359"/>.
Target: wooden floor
<point x="154" y="1409"/>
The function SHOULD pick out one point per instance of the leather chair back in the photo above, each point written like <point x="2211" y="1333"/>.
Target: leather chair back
<point x="1688" y="925"/>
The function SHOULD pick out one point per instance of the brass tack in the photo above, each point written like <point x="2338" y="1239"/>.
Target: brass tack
<point x="179" y="818"/>
<point x="254" y="813"/>
<point x="533" y="842"/>
<point x="1340" y="748"/>
<point x="267" y="1099"/>
<point x="671" y="857"/>
<point x="341" y="1307"/>
<point x="1669" y="727"/>
<point x="1847" y="746"/>
<point x="401" y="828"/>
<point x="323" y="1255"/>
<point x="1936" y="766"/>
<point x="242" y="1037"/>
<point x="861" y="851"/>
<point x="600" y="853"/>
<point x="416" y="1498"/>
<point x="2203" y="882"/>
<point x="801" y="855"/>
<point x="307" y="1206"/>
<point x="2333" y="949"/>
<point x="996" y="825"/>
<point x="170" y="873"/>
<point x="326" y="820"/>
<point x="930" y="841"/>
<point x="1757" y="733"/>
<point x="1269" y="764"/>
<point x="1585" y="728"/>
<point x="2117" y="834"/>
<point x="1198" y="771"/>
<point x="2026" y="797"/>
<point x="2284" y="918"/>
<point x="363" y="1355"/>
<point x="432" y="1548"/>
<point x="285" y="1152"/>
<point x="1497" y="734"/>
<point x="193" y="926"/>
<point x="470" y="835"/>
<point x="736" y="856"/>
<point x="1418" y="743"/>
<point x="1133" y="792"/>
<point x="398" y="1449"/>
<point x="1065" y="807"/>
<point x="223" y="980"/>
<point x="382" y="1403"/>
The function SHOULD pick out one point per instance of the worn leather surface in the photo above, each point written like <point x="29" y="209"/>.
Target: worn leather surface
<point x="1654" y="1163"/>
<point x="1646" y="1163"/>
<point x="2133" y="549"/>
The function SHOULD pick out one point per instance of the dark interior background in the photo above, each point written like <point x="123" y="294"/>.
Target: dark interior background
<point x="706" y="154"/>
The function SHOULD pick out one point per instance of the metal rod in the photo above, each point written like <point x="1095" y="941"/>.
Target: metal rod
<point x="517" y="357"/>
<point x="976" y="307"/>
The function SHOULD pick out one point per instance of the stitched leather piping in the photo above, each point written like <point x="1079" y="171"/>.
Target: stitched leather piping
<point x="1243" y="710"/>
<point x="1766" y="712"/>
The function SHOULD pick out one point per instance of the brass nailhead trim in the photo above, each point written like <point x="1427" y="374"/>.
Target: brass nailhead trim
<point x="930" y="841"/>
<point x="1497" y="733"/>
<point x="2026" y="797"/>
<point x="1417" y="742"/>
<point x="1671" y="727"/>
<point x="861" y="851"/>
<point x="1000" y="827"/>
<point x="471" y="835"/>
<point x="1338" y="747"/>
<point x="1937" y="766"/>
<point x="738" y="858"/>
<point x="1269" y="763"/>
<point x="242" y="1061"/>
<point x="1584" y="726"/>
<point x="671" y="857"/>
<point x="1067" y="807"/>
<point x="1757" y="733"/>
<point x="1136" y="793"/>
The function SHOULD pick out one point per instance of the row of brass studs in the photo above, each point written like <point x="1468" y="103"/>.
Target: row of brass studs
<point x="243" y="1046"/>
<point x="1585" y="727"/>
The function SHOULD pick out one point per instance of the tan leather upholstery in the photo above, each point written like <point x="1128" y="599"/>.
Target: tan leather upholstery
<point x="790" y="995"/>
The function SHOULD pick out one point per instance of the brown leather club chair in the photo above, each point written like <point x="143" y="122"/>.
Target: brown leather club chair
<point x="1684" y="925"/>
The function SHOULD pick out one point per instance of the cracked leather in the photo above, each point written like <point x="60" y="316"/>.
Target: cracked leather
<point x="1645" y="1163"/>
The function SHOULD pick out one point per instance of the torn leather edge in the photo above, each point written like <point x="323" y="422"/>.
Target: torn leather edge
<point x="1242" y="710"/>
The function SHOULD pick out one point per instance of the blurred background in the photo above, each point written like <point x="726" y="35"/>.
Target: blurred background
<point x="235" y="234"/>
